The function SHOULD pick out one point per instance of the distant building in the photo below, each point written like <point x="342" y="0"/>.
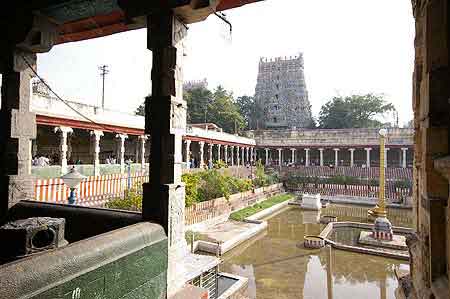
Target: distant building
<point x="281" y="93"/>
<point x="188" y="85"/>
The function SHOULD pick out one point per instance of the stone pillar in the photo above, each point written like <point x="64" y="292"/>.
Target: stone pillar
<point x="306" y="157"/>
<point x="280" y="162"/>
<point x="225" y="153"/>
<point x="404" y="150"/>
<point x="232" y="155"/>
<point x="321" y="156"/>
<point x="163" y="200"/>
<point x="267" y="156"/>
<point x="386" y="149"/>
<point x="95" y="143"/>
<point x="63" y="134"/>
<point x="121" y="150"/>
<point x="247" y="156"/>
<point x="368" y="149"/>
<point x="143" y="139"/>
<point x="17" y="128"/>
<point x="187" y="153"/>
<point x="201" y="145"/>
<point x="238" y="159"/>
<point x="292" y="155"/>
<point x="243" y="155"/>
<point x="352" y="152"/>
<point x="210" y="155"/>
<point x="336" y="157"/>
<point x="218" y="152"/>
<point x="252" y="155"/>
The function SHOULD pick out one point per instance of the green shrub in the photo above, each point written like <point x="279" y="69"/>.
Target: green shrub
<point x="262" y="178"/>
<point x="220" y="164"/>
<point x="192" y="182"/>
<point x="214" y="184"/>
<point x="406" y="184"/>
<point x="131" y="202"/>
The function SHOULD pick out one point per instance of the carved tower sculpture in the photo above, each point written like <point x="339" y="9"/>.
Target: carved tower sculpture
<point x="281" y="93"/>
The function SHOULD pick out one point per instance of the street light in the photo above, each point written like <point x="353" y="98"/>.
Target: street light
<point x="72" y="179"/>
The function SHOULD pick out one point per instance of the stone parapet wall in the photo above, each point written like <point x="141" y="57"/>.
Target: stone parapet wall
<point x="330" y="137"/>
<point x="222" y="207"/>
<point x="392" y="194"/>
<point x="325" y="171"/>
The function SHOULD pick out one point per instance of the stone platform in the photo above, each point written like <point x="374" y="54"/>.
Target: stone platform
<point x="397" y="242"/>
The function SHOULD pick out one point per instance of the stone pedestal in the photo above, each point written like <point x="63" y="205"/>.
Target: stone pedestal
<point x="311" y="201"/>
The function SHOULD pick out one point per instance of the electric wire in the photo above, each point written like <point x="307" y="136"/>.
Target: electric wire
<point x="108" y="129"/>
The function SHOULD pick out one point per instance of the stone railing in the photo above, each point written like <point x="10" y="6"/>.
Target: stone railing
<point x="358" y="172"/>
<point x="392" y="193"/>
<point x="221" y="208"/>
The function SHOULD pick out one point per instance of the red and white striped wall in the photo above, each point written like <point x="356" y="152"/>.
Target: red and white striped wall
<point x="93" y="191"/>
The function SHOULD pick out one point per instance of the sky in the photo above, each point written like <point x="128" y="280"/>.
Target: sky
<point x="350" y="46"/>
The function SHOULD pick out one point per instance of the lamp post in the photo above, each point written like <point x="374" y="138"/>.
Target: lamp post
<point x="380" y="209"/>
<point x="72" y="179"/>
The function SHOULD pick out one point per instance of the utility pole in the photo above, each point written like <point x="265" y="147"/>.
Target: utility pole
<point x="103" y="72"/>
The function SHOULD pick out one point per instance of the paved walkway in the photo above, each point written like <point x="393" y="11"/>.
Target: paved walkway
<point x="225" y="231"/>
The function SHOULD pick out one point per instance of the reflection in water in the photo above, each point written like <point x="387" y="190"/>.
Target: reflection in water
<point x="277" y="267"/>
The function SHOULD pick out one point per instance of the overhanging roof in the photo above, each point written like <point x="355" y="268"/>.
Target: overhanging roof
<point x="80" y="19"/>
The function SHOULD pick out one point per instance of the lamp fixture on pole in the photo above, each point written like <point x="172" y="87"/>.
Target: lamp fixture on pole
<point x="72" y="179"/>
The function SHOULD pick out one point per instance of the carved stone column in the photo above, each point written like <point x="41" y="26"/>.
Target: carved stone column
<point x="201" y="145"/>
<point x="243" y="155"/>
<point x="163" y="200"/>
<point x="404" y="150"/>
<point x="121" y="150"/>
<point x="17" y="129"/>
<point x="307" y="157"/>
<point x="143" y="139"/>
<point x="225" y="153"/>
<point x="238" y="159"/>
<point x="210" y="154"/>
<point x="267" y="156"/>
<point x="352" y="152"/>
<point x="321" y="156"/>
<point x="188" y="152"/>
<point x="63" y="135"/>
<point x="368" y="149"/>
<point x="280" y="162"/>
<point x="292" y="155"/>
<point x="218" y="152"/>
<point x="386" y="149"/>
<point x="95" y="143"/>
<point x="232" y="155"/>
<point x="336" y="157"/>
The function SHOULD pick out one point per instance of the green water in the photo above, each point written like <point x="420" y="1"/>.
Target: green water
<point x="277" y="266"/>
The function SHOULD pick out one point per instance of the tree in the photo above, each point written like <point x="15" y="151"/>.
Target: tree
<point x="140" y="110"/>
<point x="204" y="106"/>
<point x="251" y="111"/>
<point x="198" y="100"/>
<point x="224" y="112"/>
<point x="356" y="111"/>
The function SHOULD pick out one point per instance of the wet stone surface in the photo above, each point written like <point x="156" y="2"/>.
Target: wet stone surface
<point x="278" y="266"/>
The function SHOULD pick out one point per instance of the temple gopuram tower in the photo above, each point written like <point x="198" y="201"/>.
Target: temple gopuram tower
<point x="281" y="93"/>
